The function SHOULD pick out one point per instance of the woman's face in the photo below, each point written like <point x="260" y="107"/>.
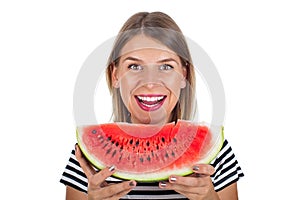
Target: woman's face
<point x="150" y="77"/>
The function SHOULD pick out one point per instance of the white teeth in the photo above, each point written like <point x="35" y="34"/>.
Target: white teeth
<point x="150" y="99"/>
<point x="149" y="106"/>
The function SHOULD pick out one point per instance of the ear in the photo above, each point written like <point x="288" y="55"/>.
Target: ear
<point x="114" y="76"/>
<point x="183" y="83"/>
<point x="183" y="80"/>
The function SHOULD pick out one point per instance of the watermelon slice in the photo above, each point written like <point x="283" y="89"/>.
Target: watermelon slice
<point x="149" y="153"/>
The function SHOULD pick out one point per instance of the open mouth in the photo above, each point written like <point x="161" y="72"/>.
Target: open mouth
<point x="150" y="102"/>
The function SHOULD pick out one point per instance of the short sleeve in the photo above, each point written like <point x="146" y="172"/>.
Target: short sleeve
<point x="73" y="175"/>
<point x="227" y="168"/>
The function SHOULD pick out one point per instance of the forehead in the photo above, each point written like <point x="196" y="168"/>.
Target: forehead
<point x="142" y="43"/>
<point x="150" y="56"/>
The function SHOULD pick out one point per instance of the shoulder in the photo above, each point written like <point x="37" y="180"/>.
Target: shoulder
<point x="225" y="152"/>
<point x="227" y="168"/>
<point x="73" y="174"/>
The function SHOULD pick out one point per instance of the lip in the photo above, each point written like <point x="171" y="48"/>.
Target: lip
<point x="150" y="102"/>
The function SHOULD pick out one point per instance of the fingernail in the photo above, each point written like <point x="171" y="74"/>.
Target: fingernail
<point x="132" y="183"/>
<point x="163" y="184"/>
<point x="196" y="168"/>
<point x="76" y="147"/>
<point x="112" y="168"/>
<point x="173" y="179"/>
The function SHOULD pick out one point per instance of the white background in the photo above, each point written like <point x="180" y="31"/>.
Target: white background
<point x="255" y="46"/>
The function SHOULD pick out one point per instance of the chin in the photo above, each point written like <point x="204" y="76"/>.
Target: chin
<point x="152" y="119"/>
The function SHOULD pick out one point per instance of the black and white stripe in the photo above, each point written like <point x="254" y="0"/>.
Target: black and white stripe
<point x="227" y="168"/>
<point x="227" y="172"/>
<point x="73" y="175"/>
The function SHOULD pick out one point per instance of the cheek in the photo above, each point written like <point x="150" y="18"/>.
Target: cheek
<point x="127" y="79"/>
<point x="126" y="88"/>
<point x="175" y="93"/>
<point x="173" y="83"/>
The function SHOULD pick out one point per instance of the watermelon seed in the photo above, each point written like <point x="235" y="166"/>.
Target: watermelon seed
<point x="175" y="140"/>
<point x="137" y="143"/>
<point x="100" y="137"/>
<point x="163" y="139"/>
<point x="108" y="151"/>
<point x="173" y="154"/>
<point x="109" y="138"/>
<point x="114" y="153"/>
<point x="148" y="143"/>
<point x="117" y="144"/>
<point x="120" y="157"/>
<point x="148" y="158"/>
<point x="94" y="131"/>
<point x="141" y="159"/>
<point x="167" y="155"/>
<point x="152" y="153"/>
<point x="131" y="141"/>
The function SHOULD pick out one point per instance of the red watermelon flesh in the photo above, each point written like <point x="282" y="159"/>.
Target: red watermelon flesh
<point x="149" y="152"/>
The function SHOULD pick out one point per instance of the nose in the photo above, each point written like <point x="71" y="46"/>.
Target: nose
<point x="150" y="85"/>
<point x="151" y="77"/>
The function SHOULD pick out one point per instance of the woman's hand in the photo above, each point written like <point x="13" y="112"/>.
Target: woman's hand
<point x="195" y="187"/>
<point x="98" y="188"/>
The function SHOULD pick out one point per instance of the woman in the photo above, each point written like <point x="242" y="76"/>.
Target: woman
<point x="152" y="81"/>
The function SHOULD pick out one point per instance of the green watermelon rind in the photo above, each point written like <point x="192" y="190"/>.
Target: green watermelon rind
<point x="154" y="176"/>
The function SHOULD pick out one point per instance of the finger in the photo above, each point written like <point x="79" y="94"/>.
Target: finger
<point x="191" y="191"/>
<point x="118" y="190"/>
<point x="193" y="183"/>
<point x="98" y="179"/>
<point x="204" y="169"/>
<point x="131" y="184"/>
<point x="182" y="189"/>
<point x="84" y="164"/>
<point x="190" y="181"/>
<point x="185" y="190"/>
<point x="121" y="194"/>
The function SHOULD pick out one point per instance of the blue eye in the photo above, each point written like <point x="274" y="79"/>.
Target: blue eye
<point x="135" y="67"/>
<point x="165" y="67"/>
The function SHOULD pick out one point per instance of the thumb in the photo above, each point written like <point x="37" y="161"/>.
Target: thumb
<point x="84" y="164"/>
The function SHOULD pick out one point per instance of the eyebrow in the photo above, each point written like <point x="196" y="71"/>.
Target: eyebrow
<point x="160" y="61"/>
<point x="168" y="60"/>
<point x="131" y="59"/>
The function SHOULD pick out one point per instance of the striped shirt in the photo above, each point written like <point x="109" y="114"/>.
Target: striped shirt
<point x="227" y="171"/>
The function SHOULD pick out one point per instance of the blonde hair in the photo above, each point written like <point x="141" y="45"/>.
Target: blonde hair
<point x="162" y="28"/>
